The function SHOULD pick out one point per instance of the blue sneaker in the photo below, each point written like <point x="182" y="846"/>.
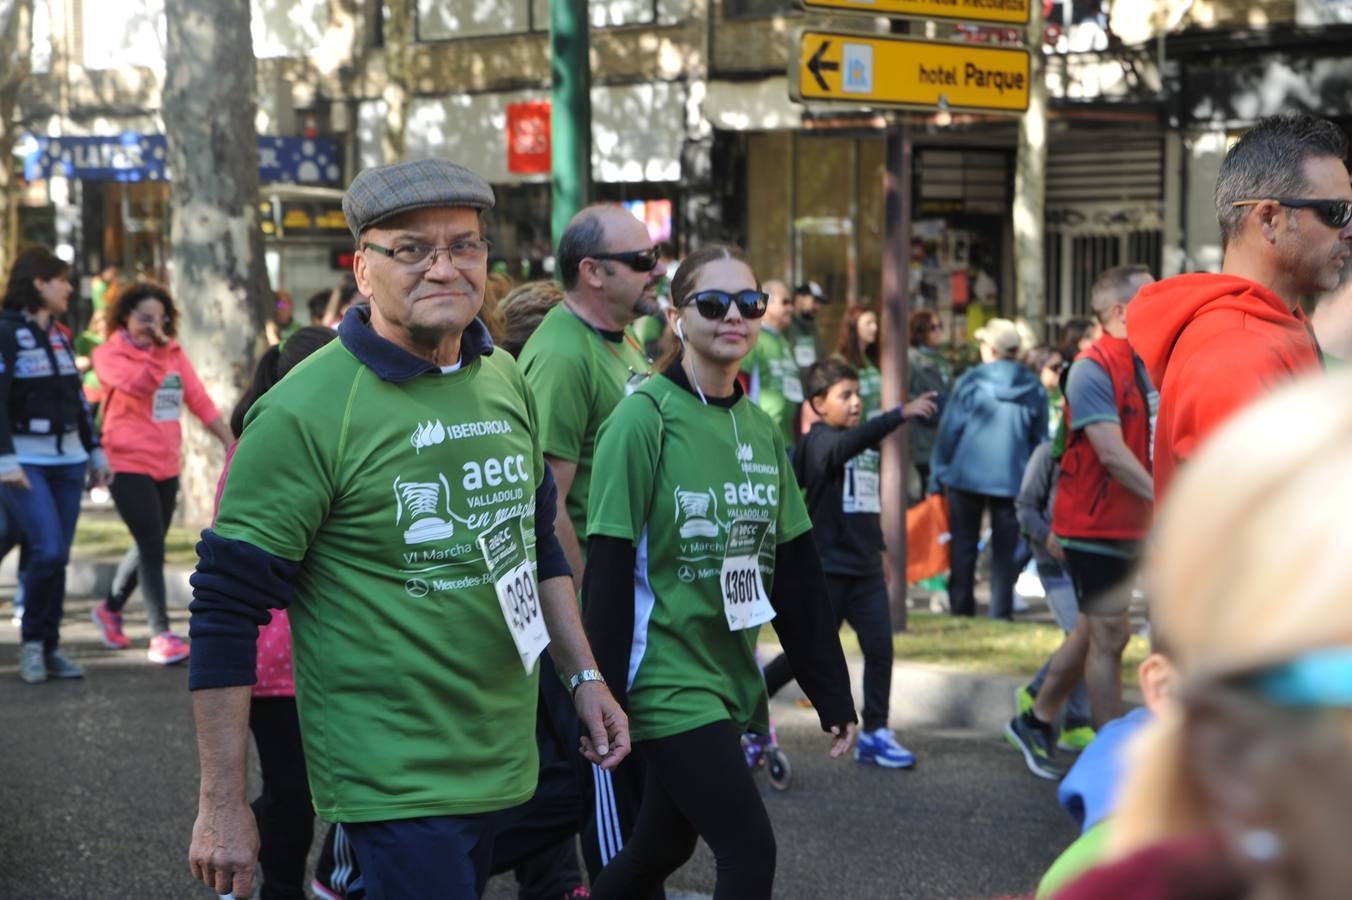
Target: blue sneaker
<point x="880" y="748"/>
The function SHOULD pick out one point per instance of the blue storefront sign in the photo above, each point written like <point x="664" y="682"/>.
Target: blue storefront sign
<point x="144" y="157"/>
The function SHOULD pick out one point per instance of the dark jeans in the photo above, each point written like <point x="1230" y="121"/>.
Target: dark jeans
<point x="697" y="786"/>
<point x="964" y="524"/>
<point x="861" y="601"/>
<point x="446" y="857"/>
<point x="147" y="506"/>
<point x="46" y="515"/>
<point x="538" y="840"/>
<point x="283" y="810"/>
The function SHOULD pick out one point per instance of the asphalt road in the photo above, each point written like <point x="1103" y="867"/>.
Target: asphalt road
<point x="98" y="782"/>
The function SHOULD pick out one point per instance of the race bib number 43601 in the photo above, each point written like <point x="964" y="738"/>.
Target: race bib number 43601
<point x="745" y="602"/>
<point x="504" y="550"/>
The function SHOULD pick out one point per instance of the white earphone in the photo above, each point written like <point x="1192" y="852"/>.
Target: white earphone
<point x="680" y="329"/>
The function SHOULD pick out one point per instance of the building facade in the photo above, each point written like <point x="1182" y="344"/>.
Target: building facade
<point x="693" y="129"/>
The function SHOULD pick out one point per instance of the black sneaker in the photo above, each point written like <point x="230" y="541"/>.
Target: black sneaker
<point x="1034" y="740"/>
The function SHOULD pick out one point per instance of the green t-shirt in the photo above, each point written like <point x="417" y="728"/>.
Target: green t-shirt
<point x="648" y="329"/>
<point x="679" y="473"/>
<point x="775" y="383"/>
<point x="870" y="389"/>
<point x="805" y="341"/>
<point x="577" y="376"/>
<point x="412" y="697"/>
<point x="85" y="342"/>
<point x="1089" y="850"/>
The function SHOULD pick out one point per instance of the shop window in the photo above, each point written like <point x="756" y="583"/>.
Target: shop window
<point x="123" y="34"/>
<point x="606" y="13"/>
<point x="441" y="20"/>
<point x="1090" y="256"/>
<point x="750" y="9"/>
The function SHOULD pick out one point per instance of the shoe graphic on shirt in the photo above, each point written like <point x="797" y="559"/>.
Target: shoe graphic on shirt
<point x="421" y="502"/>
<point x="695" y="508"/>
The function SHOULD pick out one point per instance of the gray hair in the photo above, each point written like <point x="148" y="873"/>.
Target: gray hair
<point x="1268" y="161"/>
<point x="1113" y="286"/>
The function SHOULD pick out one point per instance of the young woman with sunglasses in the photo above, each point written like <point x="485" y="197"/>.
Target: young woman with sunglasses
<point x="698" y="536"/>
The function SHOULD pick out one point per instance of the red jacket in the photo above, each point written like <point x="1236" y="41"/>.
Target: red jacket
<point x="1212" y="344"/>
<point x="1091" y="503"/>
<point x="144" y="392"/>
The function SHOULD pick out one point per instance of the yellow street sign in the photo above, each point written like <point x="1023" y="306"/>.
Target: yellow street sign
<point x="1003" y="12"/>
<point x="887" y="71"/>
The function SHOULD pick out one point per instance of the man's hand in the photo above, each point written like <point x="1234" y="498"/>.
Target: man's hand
<point x="606" y="742"/>
<point x="1054" y="549"/>
<point x="842" y="738"/>
<point x="224" y="848"/>
<point x="16" y="478"/>
<point x="923" y="407"/>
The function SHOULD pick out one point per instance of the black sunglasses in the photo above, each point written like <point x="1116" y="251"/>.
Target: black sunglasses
<point x="1333" y="213"/>
<point x="713" y="304"/>
<point x="638" y="260"/>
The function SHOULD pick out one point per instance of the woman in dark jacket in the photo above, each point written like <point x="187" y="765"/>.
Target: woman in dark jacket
<point x="47" y="443"/>
<point x="927" y="370"/>
<point x="989" y="427"/>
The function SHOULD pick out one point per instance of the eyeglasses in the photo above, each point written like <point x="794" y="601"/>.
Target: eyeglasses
<point x="713" y="304"/>
<point x="1333" y="213"/>
<point x="464" y="254"/>
<point x="638" y="260"/>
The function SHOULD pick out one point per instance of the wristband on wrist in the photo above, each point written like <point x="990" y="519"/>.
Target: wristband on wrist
<point x="582" y="677"/>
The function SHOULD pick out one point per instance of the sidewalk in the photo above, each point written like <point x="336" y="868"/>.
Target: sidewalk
<point x="923" y="696"/>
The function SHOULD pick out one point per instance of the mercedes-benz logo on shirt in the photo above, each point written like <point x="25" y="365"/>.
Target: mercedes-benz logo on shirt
<point x="686" y="574"/>
<point x="416" y="587"/>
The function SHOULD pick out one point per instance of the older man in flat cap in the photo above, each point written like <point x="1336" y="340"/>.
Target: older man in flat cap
<point x="392" y="495"/>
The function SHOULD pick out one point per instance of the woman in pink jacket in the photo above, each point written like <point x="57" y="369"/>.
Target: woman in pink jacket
<point x="146" y="380"/>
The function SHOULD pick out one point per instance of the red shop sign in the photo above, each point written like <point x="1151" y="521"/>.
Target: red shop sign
<point x="528" y="151"/>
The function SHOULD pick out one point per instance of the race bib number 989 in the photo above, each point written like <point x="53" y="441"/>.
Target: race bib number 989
<point x="504" y="550"/>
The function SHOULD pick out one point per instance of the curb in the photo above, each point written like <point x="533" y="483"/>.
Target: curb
<point x="92" y="577"/>
<point x="923" y="696"/>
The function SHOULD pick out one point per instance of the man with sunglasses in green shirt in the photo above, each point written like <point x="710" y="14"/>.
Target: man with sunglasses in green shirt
<point x="1214" y="343"/>
<point x="580" y="362"/>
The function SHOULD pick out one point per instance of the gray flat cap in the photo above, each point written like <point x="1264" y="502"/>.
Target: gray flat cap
<point x="383" y="191"/>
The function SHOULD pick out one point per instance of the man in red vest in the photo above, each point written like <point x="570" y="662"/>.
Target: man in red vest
<point x="1216" y="342"/>
<point x="1103" y="508"/>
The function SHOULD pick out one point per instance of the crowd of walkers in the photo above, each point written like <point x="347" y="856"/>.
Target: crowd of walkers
<point x="505" y="594"/>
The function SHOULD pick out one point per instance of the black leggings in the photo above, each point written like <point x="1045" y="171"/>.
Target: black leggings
<point x="697" y="786"/>
<point x="283" y="810"/>
<point x="147" y="506"/>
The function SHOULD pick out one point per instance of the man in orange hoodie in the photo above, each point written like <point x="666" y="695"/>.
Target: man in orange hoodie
<point x="1213" y="343"/>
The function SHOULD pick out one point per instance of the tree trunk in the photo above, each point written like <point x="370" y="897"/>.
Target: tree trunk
<point x="16" y="33"/>
<point x="217" y="273"/>
<point x="1030" y="180"/>
<point x="397" y="32"/>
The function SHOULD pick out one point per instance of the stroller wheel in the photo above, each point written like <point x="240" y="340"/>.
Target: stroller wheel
<point x="777" y="764"/>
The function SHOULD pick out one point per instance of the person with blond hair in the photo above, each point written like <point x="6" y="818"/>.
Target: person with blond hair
<point x="989" y="426"/>
<point x="1243" y="788"/>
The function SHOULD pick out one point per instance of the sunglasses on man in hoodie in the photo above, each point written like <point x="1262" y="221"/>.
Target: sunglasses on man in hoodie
<point x="1333" y="213"/>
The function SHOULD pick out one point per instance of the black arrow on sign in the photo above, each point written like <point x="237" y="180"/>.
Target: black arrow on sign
<point x="816" y="65"/>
